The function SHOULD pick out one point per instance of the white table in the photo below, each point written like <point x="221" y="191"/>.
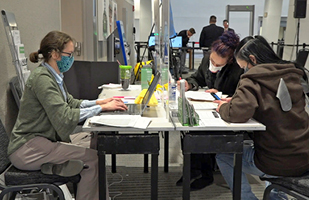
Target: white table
<point x="107" y="140"/>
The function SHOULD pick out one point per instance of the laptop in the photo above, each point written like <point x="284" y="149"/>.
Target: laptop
<point x="139" y="109"/>
<point x="176" y="42"/>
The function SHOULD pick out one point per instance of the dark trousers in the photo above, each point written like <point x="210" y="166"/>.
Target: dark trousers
<point x="202" y="163"/>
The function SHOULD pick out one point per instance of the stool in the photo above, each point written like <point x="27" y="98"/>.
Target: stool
<point x="297" y="187"/>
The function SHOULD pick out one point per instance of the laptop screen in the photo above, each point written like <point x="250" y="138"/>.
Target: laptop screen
<point x="151" y="41"/>
<point x="150" y="90"/>
<point x="176" y="42"/>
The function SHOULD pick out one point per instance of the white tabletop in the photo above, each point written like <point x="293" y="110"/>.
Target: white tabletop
<point x="160" y="119"/>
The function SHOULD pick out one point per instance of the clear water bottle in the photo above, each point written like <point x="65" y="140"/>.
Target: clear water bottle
<point x="146" y="73"/>
<point x="172" y="92"/>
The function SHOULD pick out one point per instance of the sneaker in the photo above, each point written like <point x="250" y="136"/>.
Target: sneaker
<point x="201" y="183"/>
<point x="66" y="169"/>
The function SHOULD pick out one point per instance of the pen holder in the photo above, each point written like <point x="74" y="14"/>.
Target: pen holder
<point x="125" y="76"/>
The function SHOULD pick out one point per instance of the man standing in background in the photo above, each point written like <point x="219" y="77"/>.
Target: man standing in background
<point x="210" y="33"/>
<point x="185" y="34"/>
<point x="226" y="26"/>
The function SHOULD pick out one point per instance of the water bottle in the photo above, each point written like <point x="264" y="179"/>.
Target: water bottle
<point x="146" y="73"/>
<point x="172" y="93"/>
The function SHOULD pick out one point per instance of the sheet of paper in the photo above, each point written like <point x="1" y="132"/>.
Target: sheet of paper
<point x="204" y="105"/>
<point x="212" y="122"/>
<point x="201" y="96"/>
<point x="135" y="121"/>
<point x="210" y="118"/>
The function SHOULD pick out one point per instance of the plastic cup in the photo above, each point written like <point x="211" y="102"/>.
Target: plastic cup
<point x="125" y="76"/>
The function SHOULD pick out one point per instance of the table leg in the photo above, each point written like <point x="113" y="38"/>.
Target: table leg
<point x="237" y="176"/>
<point x="113" y="163"/>
<point x="193" y="56"/>
<point x="186" y="177"/>
<point x="102" y="177"/>
<point x="154" y="176"/>
<point x="146" y="158"/>
<point x="166" y="149"/>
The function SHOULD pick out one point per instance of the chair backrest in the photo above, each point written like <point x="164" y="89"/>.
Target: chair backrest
<point x="4" y="142"/>
<point x="302" y="57"/>
<point x="15" y="88"/>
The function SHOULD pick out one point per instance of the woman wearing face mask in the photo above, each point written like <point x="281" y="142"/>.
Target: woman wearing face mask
<point x="219" y="72"/>
<point x="48" y="115"/>
<point x="270" y="92"/>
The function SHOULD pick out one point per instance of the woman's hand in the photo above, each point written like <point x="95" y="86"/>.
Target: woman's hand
<point x="187" y="85"/>
<point x="212" y="90"/>
<point x="220" y="102"/>
<point x="228" y="99"/>
<point x="104" y="101"/>
<point x="114" y="105"/>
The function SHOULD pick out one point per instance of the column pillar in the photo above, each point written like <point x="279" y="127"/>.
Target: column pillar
<point x="271" y="20"/>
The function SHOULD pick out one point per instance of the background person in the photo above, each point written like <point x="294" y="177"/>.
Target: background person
<point x="220" y="72"/>
<point x="185" y="34"/>
<point x="270" y="92"/>
<point x="210" y="33"/>
<point x="48" y="115"/>
<point x="226" y="26"/>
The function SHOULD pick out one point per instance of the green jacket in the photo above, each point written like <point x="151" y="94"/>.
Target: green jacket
<point x="44" y="111"/>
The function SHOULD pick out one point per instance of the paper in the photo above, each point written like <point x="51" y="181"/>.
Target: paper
<point x="110" y="86"/>
<point x="201" y="96"/>
<point x="210" y="118"/>
<point x="204" y="106"/>
<point x="134" y="121"/>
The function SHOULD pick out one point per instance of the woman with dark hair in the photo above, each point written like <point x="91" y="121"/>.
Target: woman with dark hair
<point x="219" y="72"/>
<point x="48" y="115"/>
<point x="271" y="93"/>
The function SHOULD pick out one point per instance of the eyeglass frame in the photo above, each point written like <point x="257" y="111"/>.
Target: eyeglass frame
<point x="70" y="54"/>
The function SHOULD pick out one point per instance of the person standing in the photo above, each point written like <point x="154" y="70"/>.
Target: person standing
<point x="210" y="33"/>
<point x="185" y="34"/>
<point x="226" y="26"/>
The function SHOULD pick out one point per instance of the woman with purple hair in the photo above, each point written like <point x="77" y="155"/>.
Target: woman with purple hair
<point x="218" y="71"/>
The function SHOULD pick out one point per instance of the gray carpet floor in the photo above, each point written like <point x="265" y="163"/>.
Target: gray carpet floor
<point x="133" y="183"/>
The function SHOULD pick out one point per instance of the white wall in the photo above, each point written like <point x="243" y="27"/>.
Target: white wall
<point x="35" y="19"/>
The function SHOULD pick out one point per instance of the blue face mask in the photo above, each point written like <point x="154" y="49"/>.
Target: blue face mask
<point x="65" y="63"/>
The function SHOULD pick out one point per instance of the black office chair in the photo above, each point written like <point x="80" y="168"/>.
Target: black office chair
<point x="302" y="56"/>
<point x="297" y="187"/>
<point x="24" y="181"/>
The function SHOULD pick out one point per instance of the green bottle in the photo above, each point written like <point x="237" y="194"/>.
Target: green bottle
<point x="146" y="74"/>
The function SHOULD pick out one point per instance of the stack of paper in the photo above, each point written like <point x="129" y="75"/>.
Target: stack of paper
<point x="201" y="96"/>
<point x="134" y="121"/>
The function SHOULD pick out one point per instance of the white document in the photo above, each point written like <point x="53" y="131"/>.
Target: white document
<point x="201" y="96"/>
<point x="134" y="121"/>
<point x="210" y="118"/>
<point x="204" y="106"/>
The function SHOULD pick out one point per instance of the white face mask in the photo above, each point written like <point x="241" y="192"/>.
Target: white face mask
<point x="213" y="68"/>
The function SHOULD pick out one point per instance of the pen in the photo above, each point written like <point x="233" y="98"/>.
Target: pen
<point x="120" y="97"/>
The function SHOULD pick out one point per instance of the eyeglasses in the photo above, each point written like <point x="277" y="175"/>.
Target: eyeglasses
<point x="70" y="55"/>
